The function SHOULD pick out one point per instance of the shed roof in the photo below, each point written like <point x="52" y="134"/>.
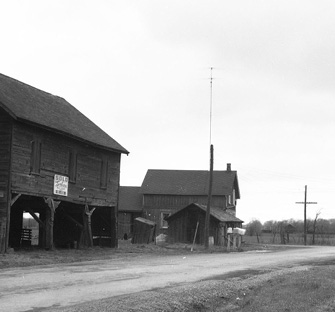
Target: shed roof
<point x="189" y="182"/>
<point x="145" y="221"/>
<point x="215" y="212"/>
<point x="130" y="199"/>
<point x="29" y="104"/>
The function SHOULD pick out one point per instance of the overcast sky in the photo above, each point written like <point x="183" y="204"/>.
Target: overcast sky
<point x="140" y="70"/>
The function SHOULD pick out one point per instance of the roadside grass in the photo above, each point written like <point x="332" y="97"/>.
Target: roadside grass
<point x="35" y="256"/>
<point x="301" y="291"/>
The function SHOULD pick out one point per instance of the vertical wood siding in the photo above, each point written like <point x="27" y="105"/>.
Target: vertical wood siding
<point x="5" y="151"/>
<point x="58" y="154"/>
<point x="5" y="143"/>
<point x="182" y="228"/>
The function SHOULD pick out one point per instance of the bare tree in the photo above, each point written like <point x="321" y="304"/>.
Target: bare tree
<point x="315" y="225"/>
<point x="254" y="228"/>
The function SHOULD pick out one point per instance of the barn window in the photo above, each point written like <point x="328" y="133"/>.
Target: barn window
<point x="164" y="223"/>
<point x="35" y="158"/>
<point x="73" y="166"/>
<point x="104" y="173"/>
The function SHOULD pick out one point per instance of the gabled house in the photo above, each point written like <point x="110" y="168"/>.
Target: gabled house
<point x="56" y="165"/>
<point x="130" y="208"/>
<point x="167" y="191"/>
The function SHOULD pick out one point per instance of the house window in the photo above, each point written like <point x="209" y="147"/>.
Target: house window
<point x="229" y="199"/>
<point x="164" y="223"/>
<point x="234" y="197"/>
<point x="73" y="166"/>
<point x="35" y="158"/>
<point x="104" y="173"/>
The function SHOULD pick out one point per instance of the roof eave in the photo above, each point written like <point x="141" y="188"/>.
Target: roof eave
<point x="124" y="151"/>
<point x="8" y="111"/>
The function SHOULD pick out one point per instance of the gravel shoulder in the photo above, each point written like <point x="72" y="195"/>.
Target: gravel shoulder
<point x="224" y="294"/>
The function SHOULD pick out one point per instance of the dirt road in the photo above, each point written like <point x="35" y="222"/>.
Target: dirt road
<point x="24" y="289"/>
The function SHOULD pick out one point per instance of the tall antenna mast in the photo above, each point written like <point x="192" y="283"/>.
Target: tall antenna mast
<point x="210" y="182"/>
<point x="211" y="106"/>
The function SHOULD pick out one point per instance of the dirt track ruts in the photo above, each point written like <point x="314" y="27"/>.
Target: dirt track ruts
<point x="23" y="289"/>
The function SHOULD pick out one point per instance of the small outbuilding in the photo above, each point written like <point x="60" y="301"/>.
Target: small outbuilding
<point x="144" y="231"/>
<point x="189" y="222"/>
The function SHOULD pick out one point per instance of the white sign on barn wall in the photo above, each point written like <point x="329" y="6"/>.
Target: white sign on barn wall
<point x="61" y="185"/>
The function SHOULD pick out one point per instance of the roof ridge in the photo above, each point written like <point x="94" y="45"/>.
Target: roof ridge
<point x="31" y="86"/>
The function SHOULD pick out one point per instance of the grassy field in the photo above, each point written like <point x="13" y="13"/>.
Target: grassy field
<point x="294" y="239"/>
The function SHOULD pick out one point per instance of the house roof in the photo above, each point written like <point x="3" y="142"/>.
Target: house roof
<point x="189" y="182"/>
<point x="215" y="212"/>
<point x="130" y="199"/>
<point x="28" y="104"/>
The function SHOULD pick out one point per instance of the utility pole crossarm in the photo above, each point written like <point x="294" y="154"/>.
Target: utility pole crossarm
<point x="305" y="202"/>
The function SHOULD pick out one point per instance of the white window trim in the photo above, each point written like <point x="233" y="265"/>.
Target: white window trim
<point x="162" y="219"/>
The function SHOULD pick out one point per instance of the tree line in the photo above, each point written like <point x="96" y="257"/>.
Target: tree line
<point x="283" y="229"/>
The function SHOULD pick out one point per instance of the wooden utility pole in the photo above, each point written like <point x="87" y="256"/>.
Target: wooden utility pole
<point x="305" y="202"/>
<point x="208" y="211"/>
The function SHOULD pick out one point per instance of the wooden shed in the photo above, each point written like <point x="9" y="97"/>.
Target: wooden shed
<point x="144" y="231"/>
<point x="56" y="165"/>
<point x="190" y="220"/>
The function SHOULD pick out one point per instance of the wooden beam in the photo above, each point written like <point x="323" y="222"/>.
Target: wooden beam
<point x="12" y="202"/>
<point x="37" y="219"/>
<point x="72" y="219"/>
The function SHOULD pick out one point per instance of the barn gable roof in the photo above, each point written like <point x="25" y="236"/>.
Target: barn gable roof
<point x="217" y="213"/>
<point x="29" y="104"/>
<point x="189" y="182"/>
<point x="130" y="199"/>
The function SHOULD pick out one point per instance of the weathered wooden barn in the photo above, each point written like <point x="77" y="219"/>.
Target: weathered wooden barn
<point x="130" y="208"/>
<point x="59" y="167"/>
<point x="167" y="191"/>
<point x="189" y="222"/>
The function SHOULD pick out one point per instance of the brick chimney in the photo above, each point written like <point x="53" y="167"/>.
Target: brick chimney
<point x="228" y="167"/>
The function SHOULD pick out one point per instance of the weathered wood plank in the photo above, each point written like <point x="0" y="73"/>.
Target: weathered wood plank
<point x="55" y="159"/>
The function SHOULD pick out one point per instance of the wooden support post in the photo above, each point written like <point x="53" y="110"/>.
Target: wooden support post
<point x="228" y="242"/>
<point x="49" y="222"/>
<point x="195" y="235"/>
<point x="234" y="241"/>
<point x="87" y="226"/>
<point x="239" y="241"/>
<point x="221" y="234"/>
